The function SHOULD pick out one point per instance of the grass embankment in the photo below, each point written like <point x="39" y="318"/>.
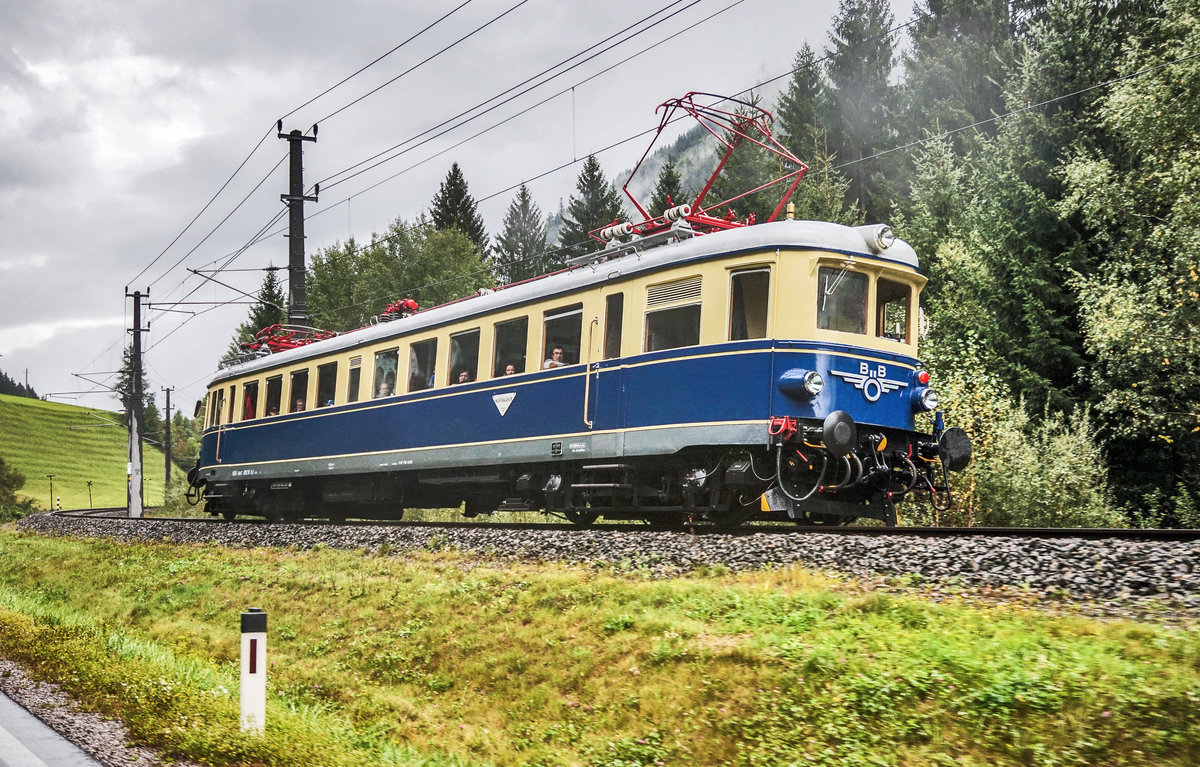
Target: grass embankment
<point x="436" y="659"/>
<point x="76" y="445"/>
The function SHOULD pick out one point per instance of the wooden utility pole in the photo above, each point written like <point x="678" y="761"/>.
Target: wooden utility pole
<point x="295" y="199"/>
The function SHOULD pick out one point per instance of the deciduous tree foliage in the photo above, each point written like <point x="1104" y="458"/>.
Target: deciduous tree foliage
<point x="348" y="284"/>
<point x="1141" y="307"/>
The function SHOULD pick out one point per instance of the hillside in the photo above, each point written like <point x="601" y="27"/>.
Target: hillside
<point x="76" y="445"/>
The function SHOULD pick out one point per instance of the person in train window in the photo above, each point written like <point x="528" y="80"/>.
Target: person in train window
<point x="464" y="377"/>
<point x="299" y="405"/>
<point x="510" y="369"/>
<point x="556" y="359"/>
<point x="385" y="389"/>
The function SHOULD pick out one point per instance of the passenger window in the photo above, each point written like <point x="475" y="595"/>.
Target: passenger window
<point x="673" y="328"/>
<point x="232" y="403"/>
<point x="250" y="401"/>
<point x="326" y="384"/>
<point x="299" y="390"/>
<point x="421" y="358"/>
<point x="562" y="329"/>
<point x="355" y="379"/>
<point x="841" y="300"/>
<point x="614" y="307"/>
<point x="218" y="404"/>
<point x="892" y="310"/>
<point x="748" y="304"/>
<point x="464" y="357"/>
<point x="511" y="338"/>
<point x="274" y="394"/>
<point x="385" y="373"/>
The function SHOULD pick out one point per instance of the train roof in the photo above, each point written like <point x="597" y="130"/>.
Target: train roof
<point x="618" y="261"/>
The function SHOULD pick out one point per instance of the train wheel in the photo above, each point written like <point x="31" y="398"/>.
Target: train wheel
<point x="731" y="513"/>
<point x="581" y="517"/>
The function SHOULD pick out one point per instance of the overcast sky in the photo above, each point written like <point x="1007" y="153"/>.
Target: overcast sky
<point x="119" y="120"/>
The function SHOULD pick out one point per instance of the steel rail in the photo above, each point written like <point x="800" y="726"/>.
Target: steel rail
<point x="702" y="528"/>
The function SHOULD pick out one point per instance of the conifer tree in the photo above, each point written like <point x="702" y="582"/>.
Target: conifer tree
<point x="268" y="310"/>
<point x="454" y="208"/>
<point x="521" y="250"/>
<point x="668" y="190"/>
<point x="598" y="204"/>
<point x="860" y="61"/>
<point x="802" y="111"/>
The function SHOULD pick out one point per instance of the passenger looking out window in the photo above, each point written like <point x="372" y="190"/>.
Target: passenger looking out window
<point x="385" y="373"/>
<point x="562" y="329"/>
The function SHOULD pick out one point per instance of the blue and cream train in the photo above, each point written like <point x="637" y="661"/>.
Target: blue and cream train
<point x="766" y="371"/>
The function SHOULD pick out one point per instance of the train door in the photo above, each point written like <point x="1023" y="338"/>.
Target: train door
<point x="606" y="404"/>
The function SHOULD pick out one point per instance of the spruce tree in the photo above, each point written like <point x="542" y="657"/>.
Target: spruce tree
<point x="668" y="190"/>
<point x="802" y="110"/>
<point x="597" y="205"/>
<point x="454" y="208"/>
<point x="860" y="62"/>
<point x="749" y="166"/>
<point x="521" y="250"/>
<point x="267" y="311"/>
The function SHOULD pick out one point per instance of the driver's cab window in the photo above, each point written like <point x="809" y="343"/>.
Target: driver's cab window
<point x="893" y="306"/>
<point x="841" y="300"/>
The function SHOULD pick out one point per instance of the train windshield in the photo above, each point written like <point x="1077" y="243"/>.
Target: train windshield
<point x="893" y="302"/>
<point x="841" y="300"/>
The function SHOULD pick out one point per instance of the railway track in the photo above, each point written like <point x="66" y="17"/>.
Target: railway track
<point x="1128" y="534"/>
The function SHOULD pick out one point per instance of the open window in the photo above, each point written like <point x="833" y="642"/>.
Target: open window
<point x="355" y="379"/>
<point x="385" y="373"/>
<point x="562" y="329"/>
<point x="614" y="307"/>
<point x="748" y="293"/>
<point x="274" y="394"/>
<point x="893" y="307"/>
<point x="250" y="401"/>
<point x="299" y="392"/>
<point x="464" y="357"/>
<point x="422" y="357"/>
<point x="511" y="340"/>
<point x="326" y="384"/>
<point x="841" y="300"/>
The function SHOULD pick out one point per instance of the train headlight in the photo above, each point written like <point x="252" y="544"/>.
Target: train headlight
<point x="926" y="399"/>
<point x="801" y="384"/>
<point x="813" y="383"/>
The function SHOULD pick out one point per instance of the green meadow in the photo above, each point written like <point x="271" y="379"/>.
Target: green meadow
<point x="77" y="445"/>
<point x="435" y="658"/>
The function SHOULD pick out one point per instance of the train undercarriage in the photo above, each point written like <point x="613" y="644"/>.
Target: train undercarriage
<point x="810" y="474"/>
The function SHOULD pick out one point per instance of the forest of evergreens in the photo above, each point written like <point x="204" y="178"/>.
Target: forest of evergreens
<point x="1040" y="155"/>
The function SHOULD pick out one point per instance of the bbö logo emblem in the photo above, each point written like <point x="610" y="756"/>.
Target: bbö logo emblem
<point x="873" y="383"/>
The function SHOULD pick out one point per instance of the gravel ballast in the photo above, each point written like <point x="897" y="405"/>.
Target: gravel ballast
<point x="1128" y="574"/>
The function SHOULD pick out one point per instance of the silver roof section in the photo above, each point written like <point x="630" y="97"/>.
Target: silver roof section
<point x="861" y="241"/>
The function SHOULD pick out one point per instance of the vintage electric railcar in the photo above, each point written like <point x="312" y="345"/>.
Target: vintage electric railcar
<point x="703" y="370"/>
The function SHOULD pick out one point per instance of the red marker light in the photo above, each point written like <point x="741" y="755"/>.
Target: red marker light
<point x="923" y="377"/>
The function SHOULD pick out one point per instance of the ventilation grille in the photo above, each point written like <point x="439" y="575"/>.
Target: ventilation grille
<point x="687" y="289"/>
<point x="356" y="362"/>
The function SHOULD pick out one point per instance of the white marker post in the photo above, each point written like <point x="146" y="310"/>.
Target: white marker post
<point x="254" y="670"/>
